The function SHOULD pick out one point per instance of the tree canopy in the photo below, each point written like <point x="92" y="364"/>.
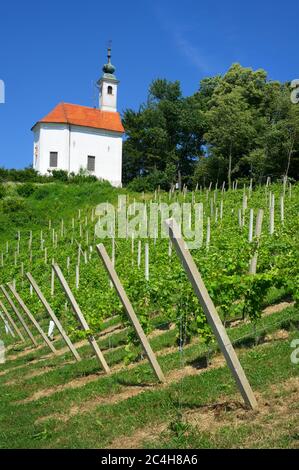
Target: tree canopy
<point x="238" y="125"/>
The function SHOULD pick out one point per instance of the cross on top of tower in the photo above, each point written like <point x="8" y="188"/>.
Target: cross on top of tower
<point x="109" y="68"/>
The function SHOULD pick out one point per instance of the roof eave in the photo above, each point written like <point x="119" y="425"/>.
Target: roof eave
<point x="79" y="125"/>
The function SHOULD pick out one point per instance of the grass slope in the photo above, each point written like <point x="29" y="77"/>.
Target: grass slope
<point x="52" y="401"/>
<point x="46" y="201"/>
<point x="128" y="408"/>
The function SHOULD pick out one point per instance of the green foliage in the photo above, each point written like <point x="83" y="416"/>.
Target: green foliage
<point x="82" y="178"/>
<point x="12" y="204"/>
<point x="42" y="192"/>
<point x="238" y="125"/>
<point x="21" y="176"/>
<point x="168" y="293"/>
<point x="60" y="175"/>
<point x="230" y="129"/>
<point x="166" y="132"/>
<point x="26" y="189"/>
<point x="2" y="191"/>
<point x="150" y="182"/>
<point x="30" y="175"/>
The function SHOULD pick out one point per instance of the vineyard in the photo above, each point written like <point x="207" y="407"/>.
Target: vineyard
<point x="248" y="259"/>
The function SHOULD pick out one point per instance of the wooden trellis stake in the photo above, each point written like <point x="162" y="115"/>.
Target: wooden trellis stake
<point x="31" y="317"/>
<point x="77" y="276"/>
<point x="80" y="317"/>
<point x="7" y="325"/>
<point x="257" y="234"/>
<point x="250" y="230"/>
<point x="211" y="314"/>
<point x="208" y="233"/>
<point x="281" y="210"/>
<point x="52" y="315"/>
<point x="11" y="303"/>
<point x="146" y="261"/>
<point x="130" y="311"/>
<point x="5" y="312"/>
<point x="221" y="209"/>
<point x="6" y="322"/>
<point x="271" y="220"/>
<point x="52" y="281"/>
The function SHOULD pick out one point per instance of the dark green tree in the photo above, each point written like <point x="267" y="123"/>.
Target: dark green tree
<point x="165" y="133"/>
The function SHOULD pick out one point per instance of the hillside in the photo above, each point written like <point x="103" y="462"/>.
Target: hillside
<point x="52" y="400"/>
<point x="29" y="206"/>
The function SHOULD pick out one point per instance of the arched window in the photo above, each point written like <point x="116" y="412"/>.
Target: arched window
<point x="109" y="90"/>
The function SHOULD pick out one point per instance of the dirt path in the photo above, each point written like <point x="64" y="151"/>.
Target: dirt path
<point x="126" y="392"/>
<point x="109" y="331"/>
<point x="278" y="402"/>
<point x="277" y="308"/>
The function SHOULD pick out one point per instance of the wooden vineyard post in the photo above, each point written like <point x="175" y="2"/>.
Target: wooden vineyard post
<point x="272" y="207"/>
<point x="258" y="231"/>
<point x="31" y="317"/>
<point x="52" y="282"/>
<point x="53" y="316"/>
<point x="77" y="276"/>
<point x="138" y="254"/>
<point x="250" y="232"/>
<point x="146" y="261"/>
<point x="130" y="311"/>
<point x="11" y="303"/>
<point x="4" y="310"/>
<point x="80" y="317"/>
<point x="208" y="233"/>
<point x="282" y="209"/>
<point x="221" y="209"/>
<point x="211" y="314"/>
<point x="7" y="325"/>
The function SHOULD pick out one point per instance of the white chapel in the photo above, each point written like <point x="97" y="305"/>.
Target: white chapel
<point x="73" y="137"/>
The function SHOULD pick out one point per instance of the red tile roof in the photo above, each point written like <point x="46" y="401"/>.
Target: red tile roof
<point x="66" y="113"/>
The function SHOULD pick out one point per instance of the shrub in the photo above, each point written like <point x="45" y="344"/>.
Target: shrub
<point x="27" y="174"/>
<point x="26" y="189"/>
<point x="2" y="191"/>
<point x="12" y="204"/>
<point x="60" y="175"/>
<point x="82" y="177"/>
<point x="150" y="182"/>
<point x="41" y="193"/>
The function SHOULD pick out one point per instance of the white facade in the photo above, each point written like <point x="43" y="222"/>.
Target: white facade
<point x="108" y="94"/>
<point x="73" y="145"/>
<point x="79" y="137"/>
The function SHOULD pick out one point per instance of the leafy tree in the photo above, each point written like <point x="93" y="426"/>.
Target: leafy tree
<point x="289" y="130"/>
<point x="166" y="132"/>
<point x="230" y="129"/>
<point x="279" y="135"/>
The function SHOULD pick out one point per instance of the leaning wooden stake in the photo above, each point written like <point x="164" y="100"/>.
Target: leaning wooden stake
<point x="130" y="311"/>
<point x="250" y="231"/>
<point x="7" y="325"/>
<point x="211" y="314"/>
<point x="11" y="303"/>
<point x="6" y="313"/>
<point x="31" y="317"/>
<point x="257" y="234"/>
<point x="53" y="316"/>
<point x="80" y="317"/>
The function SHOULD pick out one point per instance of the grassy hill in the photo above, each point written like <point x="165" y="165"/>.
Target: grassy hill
<point x="29" y="206"/>
<point x="53" y="401"/>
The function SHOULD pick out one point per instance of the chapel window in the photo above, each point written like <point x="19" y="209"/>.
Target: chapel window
<point x="53" y="159"/>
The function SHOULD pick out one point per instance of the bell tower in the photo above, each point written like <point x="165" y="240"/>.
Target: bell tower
<point x="107" y="85"/>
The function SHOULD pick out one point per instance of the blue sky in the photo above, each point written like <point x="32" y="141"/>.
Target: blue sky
<point x="52" y="51"/>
